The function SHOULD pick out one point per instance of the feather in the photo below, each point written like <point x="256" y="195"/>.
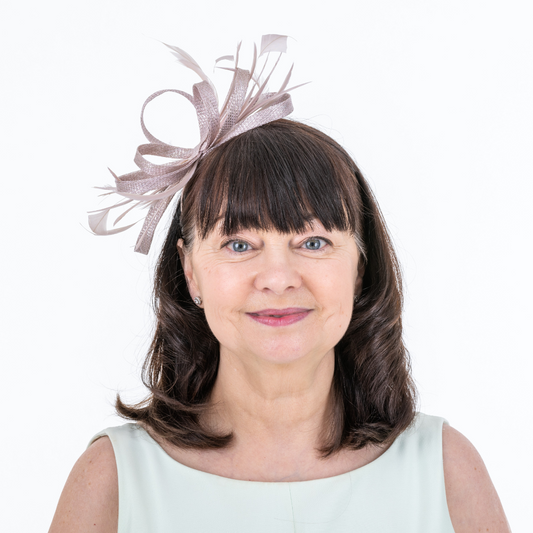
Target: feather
<point x="224" y="58"/>
<point x="273" y="43"/>
<point x="185" y="59"/>
<point x="246" y="106"/>
<point x="254" y="61"/>
<point x="252" y="104"/>
<point x="98" y="223"/>
<point x="286" y="80"/>
<point x="120" y="217"/>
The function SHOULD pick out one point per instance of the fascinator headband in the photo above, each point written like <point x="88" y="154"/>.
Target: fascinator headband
<point x="247" y="106"/>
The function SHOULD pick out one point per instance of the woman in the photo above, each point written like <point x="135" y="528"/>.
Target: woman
<point x="280" y="390"/>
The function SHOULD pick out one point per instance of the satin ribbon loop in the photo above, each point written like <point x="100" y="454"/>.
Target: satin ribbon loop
<point x="274" y="111"/>
<point x="206" y="104"/>
<point x="147" y="134"/>
<point x="236" y="96"/>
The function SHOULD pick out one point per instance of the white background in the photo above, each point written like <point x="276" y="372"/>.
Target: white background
<point x="432" y="98"/>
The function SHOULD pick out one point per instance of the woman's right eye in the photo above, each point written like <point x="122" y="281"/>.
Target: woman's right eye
<point x="238" y="246"/>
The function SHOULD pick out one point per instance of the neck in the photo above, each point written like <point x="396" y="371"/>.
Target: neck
<point x="271" y="405"/>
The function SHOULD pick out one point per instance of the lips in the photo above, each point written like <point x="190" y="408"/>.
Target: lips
<point x="279" y="317"/>
<point x="280" y="312"/>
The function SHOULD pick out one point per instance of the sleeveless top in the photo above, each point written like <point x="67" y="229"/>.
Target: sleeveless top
<point x="402" y="491"/>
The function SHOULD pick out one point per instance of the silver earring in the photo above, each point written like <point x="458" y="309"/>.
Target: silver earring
<point x="356" y="299"/>
<point x="198" y="301"/>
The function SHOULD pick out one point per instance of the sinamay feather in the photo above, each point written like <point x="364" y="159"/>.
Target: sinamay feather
<point x="247" y="106"/>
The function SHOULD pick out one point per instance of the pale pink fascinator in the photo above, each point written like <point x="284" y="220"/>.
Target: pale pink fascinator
<point x="247" y="106"/>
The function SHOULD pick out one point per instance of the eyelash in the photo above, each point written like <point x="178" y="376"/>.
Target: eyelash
<point x="326" y="241"/>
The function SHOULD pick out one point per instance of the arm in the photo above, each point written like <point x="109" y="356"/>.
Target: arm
<point x="472" y="499"/>
<point x="89" y="501"/>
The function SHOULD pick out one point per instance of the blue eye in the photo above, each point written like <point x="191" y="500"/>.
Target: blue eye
<point x="314" y="243"/>
<point x="239" y="246"/>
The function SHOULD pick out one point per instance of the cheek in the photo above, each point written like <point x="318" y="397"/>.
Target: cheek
<point x="223" y="290"/>
<point x="224" y="283"/>
<point x="334" y="290"/>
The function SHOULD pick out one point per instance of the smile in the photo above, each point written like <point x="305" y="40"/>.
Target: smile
<point x="279" y="317"/>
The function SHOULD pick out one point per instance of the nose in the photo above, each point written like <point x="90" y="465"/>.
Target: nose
<point x="277" y="272"/>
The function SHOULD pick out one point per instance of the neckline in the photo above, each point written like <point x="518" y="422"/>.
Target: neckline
<point x="208" y="475"/>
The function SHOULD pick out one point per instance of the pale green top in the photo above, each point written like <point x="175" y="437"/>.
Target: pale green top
<point x="402" y="491"/>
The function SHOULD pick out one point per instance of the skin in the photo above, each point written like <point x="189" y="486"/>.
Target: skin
<point x="273" y="385"/>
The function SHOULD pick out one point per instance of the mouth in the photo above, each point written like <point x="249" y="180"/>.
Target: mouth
<point x="279" y="317"/>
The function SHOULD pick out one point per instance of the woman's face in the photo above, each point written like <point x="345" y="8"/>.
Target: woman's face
<point x="272" y="296"/>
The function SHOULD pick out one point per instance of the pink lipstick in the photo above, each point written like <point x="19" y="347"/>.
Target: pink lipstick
<point x="280" y="317"/>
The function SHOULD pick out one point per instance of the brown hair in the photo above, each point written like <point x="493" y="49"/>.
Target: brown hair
<point x="280" y="176"/>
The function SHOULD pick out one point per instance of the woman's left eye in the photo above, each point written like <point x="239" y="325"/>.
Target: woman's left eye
<point x="314" y="243"/>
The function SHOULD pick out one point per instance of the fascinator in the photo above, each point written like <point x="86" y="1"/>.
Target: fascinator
<point x="246" y="106"/>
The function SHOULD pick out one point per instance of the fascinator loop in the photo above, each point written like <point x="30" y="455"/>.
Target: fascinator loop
<point x="247" y="106"/>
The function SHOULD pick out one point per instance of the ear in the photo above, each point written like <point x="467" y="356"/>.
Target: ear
<point x="186" y="264"/>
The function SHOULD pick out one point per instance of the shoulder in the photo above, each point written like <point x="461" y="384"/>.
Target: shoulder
<point x="472" y="499"/>
<point x="89" y="500"/>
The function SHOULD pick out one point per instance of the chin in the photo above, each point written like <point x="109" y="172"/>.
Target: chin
<point x="285" y="351"/>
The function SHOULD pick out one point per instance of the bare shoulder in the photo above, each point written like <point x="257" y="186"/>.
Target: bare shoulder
<point x="89" y="501"/>
<point x="473" y="502"/>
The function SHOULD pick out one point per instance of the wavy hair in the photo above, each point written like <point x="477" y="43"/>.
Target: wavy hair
<point x="280" y="176"/>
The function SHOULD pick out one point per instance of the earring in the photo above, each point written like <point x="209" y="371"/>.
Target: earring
<point x="356" y="299"/>
<point x="198" y="301"/>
